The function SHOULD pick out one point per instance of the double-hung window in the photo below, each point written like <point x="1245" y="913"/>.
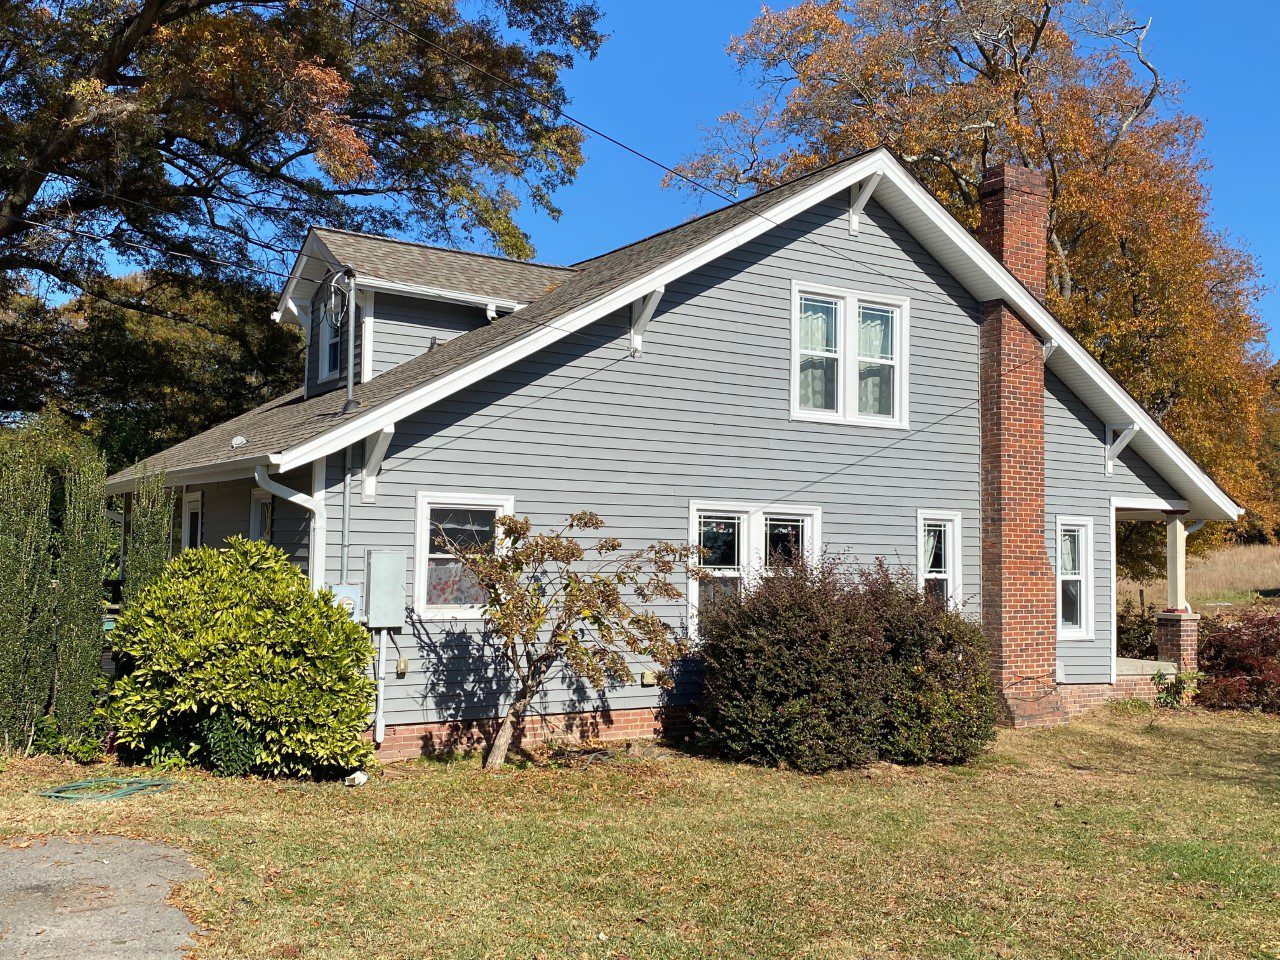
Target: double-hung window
<point x="938" y="560"/>
<point x="442" y="585"/>
<point x="1075" y="575"/>
<point x="849" y="356"/>
<point x="736" y="539"/>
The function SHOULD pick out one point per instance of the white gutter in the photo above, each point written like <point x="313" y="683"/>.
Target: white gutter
<point x="319" y="518"/>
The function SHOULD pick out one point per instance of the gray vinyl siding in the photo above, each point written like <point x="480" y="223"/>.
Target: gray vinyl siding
<point x="704" y="414"/>
<point x="313" y="382"/>
<point x="226" y="514"/>
<point x="403" y="327"/>
<point x="1077" y="485"/>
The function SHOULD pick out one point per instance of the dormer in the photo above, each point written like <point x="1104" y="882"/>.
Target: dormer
<point x="409" y="298"/>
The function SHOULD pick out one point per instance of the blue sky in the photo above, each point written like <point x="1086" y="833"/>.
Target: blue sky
<point x="652" y="85"/>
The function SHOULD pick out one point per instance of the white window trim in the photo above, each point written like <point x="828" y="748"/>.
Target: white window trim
<point x="846" y="412"/>
<point x="367" y="299"/>
<point x="753" y="515"/>
<point x="188" y="501"/>
<point x="324" y="340"/>
<point x="256" y="498"/>
<point x="427" y="499"/>
<point x="1088" y="628"/>
<point x="955" y="552"/>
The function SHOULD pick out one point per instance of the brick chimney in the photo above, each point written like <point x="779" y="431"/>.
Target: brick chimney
<point x="1019" y="603"/>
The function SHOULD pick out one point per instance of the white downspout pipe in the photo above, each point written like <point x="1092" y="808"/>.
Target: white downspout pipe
<point x="314" y="505"/>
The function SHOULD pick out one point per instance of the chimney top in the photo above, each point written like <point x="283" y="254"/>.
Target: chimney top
<point x="1014" y="223"/>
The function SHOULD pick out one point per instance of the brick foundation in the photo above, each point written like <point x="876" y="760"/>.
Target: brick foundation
<point x="407" y="740"/>
<point x="1078" y="698"/>
<point x="1019" y="610"/>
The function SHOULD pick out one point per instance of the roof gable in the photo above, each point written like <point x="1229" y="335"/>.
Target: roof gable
<point x="607" y="283"/>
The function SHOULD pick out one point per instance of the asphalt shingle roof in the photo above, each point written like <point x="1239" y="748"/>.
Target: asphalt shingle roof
<point x="293" y="419"/>
<point x="400" y="261"/>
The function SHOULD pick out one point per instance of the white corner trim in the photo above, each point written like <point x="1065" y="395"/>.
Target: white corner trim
<point x="1116" y="447"/>
<point x="1088" y="593"/>
<point x="858" y="198"/>
<point x="641" y="313"/>
<point x="955" y="552"/>
<point x="426" y="499"/>
<point x="368" y="301"/>
<point x="375" y="450"/>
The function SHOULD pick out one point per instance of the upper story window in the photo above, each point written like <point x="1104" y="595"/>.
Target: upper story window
<point x="1075" y="576"/>
<point x="330" y="318"/>
<point x="849" y="356"/>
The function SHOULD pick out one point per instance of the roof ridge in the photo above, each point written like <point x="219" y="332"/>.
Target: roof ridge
<point x="435" y="246"/>
<point x="728" y="206"/>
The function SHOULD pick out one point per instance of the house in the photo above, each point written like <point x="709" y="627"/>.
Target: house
<point x="836" y="360"/>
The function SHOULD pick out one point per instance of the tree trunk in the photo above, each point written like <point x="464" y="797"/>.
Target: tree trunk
<point x="496" y="758"/>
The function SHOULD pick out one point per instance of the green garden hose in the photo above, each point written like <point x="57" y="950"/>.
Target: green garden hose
<point x="105" y="788"/>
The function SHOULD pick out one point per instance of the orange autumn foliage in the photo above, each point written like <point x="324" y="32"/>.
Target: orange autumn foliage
<point x="1137" y="273"/>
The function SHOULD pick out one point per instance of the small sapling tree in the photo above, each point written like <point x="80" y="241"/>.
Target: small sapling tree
<point x="558" y="598"/>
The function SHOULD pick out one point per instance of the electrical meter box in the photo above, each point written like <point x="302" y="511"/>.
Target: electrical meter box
<point x="347" y="597"/>
<point x="386" y="575"/>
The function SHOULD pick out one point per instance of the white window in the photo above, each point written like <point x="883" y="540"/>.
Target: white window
<point x="260" y="516"/>
<point x="1075" y="577"/>
<point x="737" y="539"/>
<point x="329" y="308"/>
<point x="938" y="562"/>
<point x="442" y="587"/>
<point x="192" y="520"/>
<point x="849" y="356"/>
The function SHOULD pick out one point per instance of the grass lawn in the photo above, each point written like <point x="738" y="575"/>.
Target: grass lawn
<point x="1107" y="838"/>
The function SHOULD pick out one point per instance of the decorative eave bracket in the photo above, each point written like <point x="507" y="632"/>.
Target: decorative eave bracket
<point x="641" y="313"/>
<point x="375" y="450"/>
<point x="1120" y="439"/>
<point x="858" y="197"/>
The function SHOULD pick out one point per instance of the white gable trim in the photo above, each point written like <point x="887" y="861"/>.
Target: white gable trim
<point x="989" y="281"/>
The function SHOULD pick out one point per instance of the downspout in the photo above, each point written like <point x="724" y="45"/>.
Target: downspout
<point x="351" y="406"/>
<point x="314" y="505"/>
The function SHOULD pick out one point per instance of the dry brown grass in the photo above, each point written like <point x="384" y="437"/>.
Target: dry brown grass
<point x="1111" y="837"/>
<point x="1232" y="576"/>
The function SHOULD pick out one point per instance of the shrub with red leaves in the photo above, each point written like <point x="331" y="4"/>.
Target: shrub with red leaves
<point x="1240" y="660"/>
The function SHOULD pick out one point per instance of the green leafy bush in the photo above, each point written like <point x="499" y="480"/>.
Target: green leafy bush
<point x="238" y="632"/>
<point x="815" y="669"/>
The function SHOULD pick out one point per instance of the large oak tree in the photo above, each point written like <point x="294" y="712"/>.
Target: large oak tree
<point x="222" y="129"/>
<point x="1138" y="273"/>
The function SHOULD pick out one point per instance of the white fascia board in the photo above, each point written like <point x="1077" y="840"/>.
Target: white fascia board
<point x="213" y="473"/>
<point x="438" y="293"/>
<point x="411" y="401"/>
<point x="1035" y="313"/>
<point x="313" y="248"/>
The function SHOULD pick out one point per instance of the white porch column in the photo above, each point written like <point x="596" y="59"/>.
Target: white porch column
<point x="1176" y="562"/>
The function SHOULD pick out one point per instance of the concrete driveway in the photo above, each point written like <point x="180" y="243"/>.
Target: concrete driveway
<point x="93" y="898"/>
